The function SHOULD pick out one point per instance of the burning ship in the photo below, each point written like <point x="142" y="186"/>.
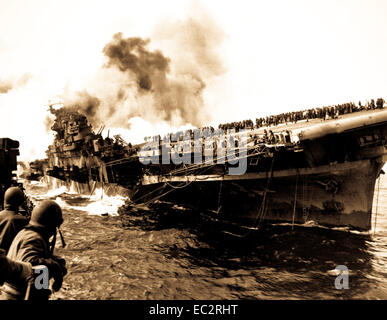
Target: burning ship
<point x="316" y="165"/>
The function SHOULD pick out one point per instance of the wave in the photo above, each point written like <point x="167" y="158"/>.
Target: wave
<point x="97" y="204"/>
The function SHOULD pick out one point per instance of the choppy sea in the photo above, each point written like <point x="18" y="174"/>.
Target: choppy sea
<point x="166" y="252"/>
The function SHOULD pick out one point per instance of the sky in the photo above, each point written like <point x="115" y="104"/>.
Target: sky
<point x="274" y="56"/>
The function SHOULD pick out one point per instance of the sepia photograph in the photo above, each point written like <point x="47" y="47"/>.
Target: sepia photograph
<point x="193" y="155"/>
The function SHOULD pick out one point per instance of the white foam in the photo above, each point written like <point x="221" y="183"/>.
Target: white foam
<point x="96" y="204"/>
<point x="35" y="183"/>
<point x="99" y="204"/>
<point x="51" y="193"/>
<point x="56" y="192"/>
<point x="107" y="205"/>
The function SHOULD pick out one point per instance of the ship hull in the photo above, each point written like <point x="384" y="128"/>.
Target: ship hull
<point x="321" y="170"/>
<point x="338" y="195"/>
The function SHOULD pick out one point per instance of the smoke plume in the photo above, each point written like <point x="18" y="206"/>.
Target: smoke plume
<point x="8" y="85"/>
<point x="178" y="95"/>
<point x="131" y="55"/>
<point x="84" y="103"/>
<point x="5" y="86"/>
<point x="138" y="81"/>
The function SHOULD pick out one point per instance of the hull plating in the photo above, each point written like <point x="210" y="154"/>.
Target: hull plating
<point x="336" y="195"/>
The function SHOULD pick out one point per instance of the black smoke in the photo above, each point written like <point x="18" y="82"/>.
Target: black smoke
<point x="139" y="81"/>
<point x="131" y="55"/>
<point x="150" y="71"/>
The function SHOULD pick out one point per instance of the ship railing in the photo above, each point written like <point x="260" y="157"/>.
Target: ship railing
<point x="210" y="163"/>
<point x="209" y="155"/>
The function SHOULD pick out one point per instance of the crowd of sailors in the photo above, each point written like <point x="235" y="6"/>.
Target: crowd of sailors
<point x="283" y="137"/>
<point x="324" y="113"/>
<point x="112" y="147"/>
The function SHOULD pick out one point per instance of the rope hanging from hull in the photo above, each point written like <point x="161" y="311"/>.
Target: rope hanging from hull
<point x="377" y="204"/>
<point x="262" y="210"/>
<point x="295" y="202"/>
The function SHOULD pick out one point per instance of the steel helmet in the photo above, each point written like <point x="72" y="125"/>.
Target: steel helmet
<point x="13" y="197"/>
<point x="47" y="215"/>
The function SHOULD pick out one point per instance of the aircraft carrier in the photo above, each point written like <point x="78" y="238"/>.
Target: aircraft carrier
<point x="318" y="165"/>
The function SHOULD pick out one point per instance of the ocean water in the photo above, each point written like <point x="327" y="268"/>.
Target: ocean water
<point x="166" y="252"/>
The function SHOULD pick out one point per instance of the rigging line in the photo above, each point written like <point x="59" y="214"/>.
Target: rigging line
<point x="219" y="196"/>
<point x="195" y="174"/>
<point x="303" y="200"/>
<point x="205" y="164"/>
<point x="295" y="201"/>
<point x="191" y="168"/>
<point x="173" y="188"/>
<point x="150" y="192"/>
<point x="210" y="177"/>
<point x="307" y="210"/>
<point x="263" y="205"/>
<point x="194" y="167"/>
<point x="159" y="196"/>
<point x="377" y="204"/>
<point x="185" y="184"/>
<point x="169" y="191"/>
<point x="209" y="161"/>
<point x="262" y="210"/>
<point x="188" y="168"/>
